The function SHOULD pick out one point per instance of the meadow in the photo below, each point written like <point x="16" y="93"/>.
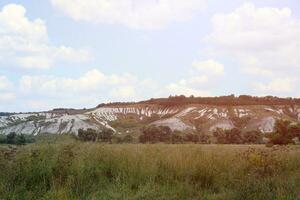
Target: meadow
<point x="71" y="169"/>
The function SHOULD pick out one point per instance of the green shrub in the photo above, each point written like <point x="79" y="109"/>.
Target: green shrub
<point x="87" y="135"/>
<point x="11" y="138"/>
<point x="20" y="140"/>
<point x="253" y="137"/>
<point x="155" y="134"/>
<point x="127" y="139"/>
<point x="91" y="135"/>
<point x="2" y="139"/>
<point x="177" y="137"/>
<point x="284" y="132"/>
<point x="232" y="136"/>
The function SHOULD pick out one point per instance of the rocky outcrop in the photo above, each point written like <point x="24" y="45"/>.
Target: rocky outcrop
<point x="183" y="117"/>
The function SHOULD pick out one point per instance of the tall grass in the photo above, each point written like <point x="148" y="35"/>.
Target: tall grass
<point x="75" y="170"/>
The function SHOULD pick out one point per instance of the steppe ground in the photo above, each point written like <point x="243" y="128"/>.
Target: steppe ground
<point x="70" y="169"/>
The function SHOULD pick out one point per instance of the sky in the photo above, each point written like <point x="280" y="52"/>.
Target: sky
<point x="79" y="53"/>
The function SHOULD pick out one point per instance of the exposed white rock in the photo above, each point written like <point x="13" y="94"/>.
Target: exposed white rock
<point x="61" y="124"/>
<point x="225" y="125"/>
<point x="174" y="123"/>
<point x="266" y="125"/>
<point x="177" y="118"/>
<point x="185" y="112"/>
<point x="202" y="112"/>
<point x="111" y="113"/>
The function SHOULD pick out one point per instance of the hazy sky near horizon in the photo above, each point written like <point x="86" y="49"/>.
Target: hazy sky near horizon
<point x="79" y="53"/>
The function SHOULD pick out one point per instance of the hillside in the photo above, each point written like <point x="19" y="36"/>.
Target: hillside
<point x="179" y="113"/>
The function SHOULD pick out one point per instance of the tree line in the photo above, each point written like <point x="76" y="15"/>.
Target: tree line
<point x="105" y="135"/>
<point x="17" y="139"/>
<point x="230" y="100"/>
<point x="154" y="134"/>
<point x="285" y="132"/>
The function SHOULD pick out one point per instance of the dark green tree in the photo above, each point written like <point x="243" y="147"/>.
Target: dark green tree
<point x="282" y="134"/>
<point x="253" y="137"/>
<point x="164" y="134"/>
<point x="294" y="130"/>
<point x="191" y="137"/>
<point x="2" y="139"/>
<point x="203" y="138"/>
<point x="11" y="138"/>
<point x="154" y="134"/>
<point x="220" y="136"/>
<point x="106" y="135"/>
<point x="177" y="137"/>
<point x="127" y="139"/>
<point x="20" y="139"/>
<point x="87" y="135"/>
<point x="232" y="136"/>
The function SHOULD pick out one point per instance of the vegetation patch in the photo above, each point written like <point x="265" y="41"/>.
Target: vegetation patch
<point x="77" y="170"/>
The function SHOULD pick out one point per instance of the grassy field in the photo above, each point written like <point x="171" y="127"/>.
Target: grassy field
<point x="75" y="170"/>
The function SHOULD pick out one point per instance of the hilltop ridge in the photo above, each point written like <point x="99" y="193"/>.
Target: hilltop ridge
<point x="179" y="113"/>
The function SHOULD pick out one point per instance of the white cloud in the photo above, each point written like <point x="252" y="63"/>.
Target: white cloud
<point x="200" y="82"/>
<point x="194" y="80"/>
<point x="276" y="86"/>
<point x="124" y="91"/>
<point x="262" y="41"/>
<point x="91" y="87"/>
<point x="265" y="39"/>
<point x="7" y="97"/>
<point x="209" y="66"/>
<point x="92" y="81"/>
<point x="25" y="42"/>
<point x="5" y="84"/>
<point x="149" y="83"/>
<point x="188" y="86"/>
<point x="259" y="71"/>
<point x="140" y="14"/>
<point x="38" y="105"/>
<point x="179" y="89"/>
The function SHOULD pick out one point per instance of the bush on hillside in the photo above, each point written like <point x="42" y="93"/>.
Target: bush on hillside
<point x="127" y="139"/>
<point x="204" y="138"/>
<point x="235" y="136"/>
<point x="232" y="136"/>
<point x="285" y="132"/>
<point x="2" y="139"/>
<point x="11" y="138"/>
<point x="253" y="137"/>
<point x="18" y="139"/>
<point x="155" y="134"/>
<point x="195" y="137"/>
<point x="105" y="135"/>
<point x="91" y="135"/>
<point x="177" y="137"/>
<point x="87" y="135"/>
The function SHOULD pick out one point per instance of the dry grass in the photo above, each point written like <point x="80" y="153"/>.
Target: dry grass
<point x="76" y="170"/>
